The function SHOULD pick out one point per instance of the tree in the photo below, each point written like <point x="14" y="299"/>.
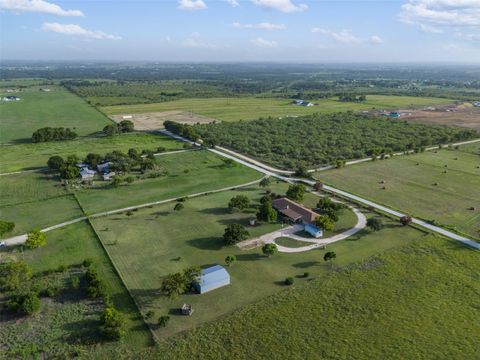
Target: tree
<point x="269" y="249"/>
<point x="375" y="224"/>
<point x="325" y="222"/>
<point x="240" y="202"/>
<point x="110" y="130"/>
<point x="69" y="172"/>
<point x="178" y="206"/>
<point x="125" y="126"/>
<point x="129" y="179"/>
<point x="173" y="285"/>
<point x="289" y="281"/>
<point x="163" y="320"/>
<point x="329" y="257"/>
<point x="191" y="274"/>
<point x="93" y="159"/>
<point x="296" y="192"/>
<point x="55" y="163"/>
<point x="14" y="274"/>
<point x="230" y="259"/>
<point x="265" y="182"/>
<point x="26" y="304"/>
<point x="6" y="227"/>
<point x="267" y="213"/>
<point x="302" y="171"/>
<point x="112" y="324"/>
<point x="116" y="181"/>
<point x="318" y="186"/>
<point x="235" y="233"/>
<point x="35" y="239"/>
<point x="147" y="164"/>
<point x="406" y="220"/>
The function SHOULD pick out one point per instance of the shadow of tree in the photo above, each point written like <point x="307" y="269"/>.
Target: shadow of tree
<point x="249" y="257"/>
<point x="306" y="264"/>
<point x="206" y="243"/>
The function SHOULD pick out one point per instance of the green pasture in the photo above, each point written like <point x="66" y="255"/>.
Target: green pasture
<point x="37" y="109"/>
<point x="438" y="185"/>
<point x="154" y="242"/>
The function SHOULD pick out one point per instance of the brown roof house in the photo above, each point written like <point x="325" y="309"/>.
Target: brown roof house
<point x="294" y="211"/>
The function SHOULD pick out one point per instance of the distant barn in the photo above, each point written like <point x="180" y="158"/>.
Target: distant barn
<point x="212" y="278"/>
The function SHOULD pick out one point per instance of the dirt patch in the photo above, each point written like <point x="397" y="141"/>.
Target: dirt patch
<point x="154" y="120"/>
<point x="464" y="115"/>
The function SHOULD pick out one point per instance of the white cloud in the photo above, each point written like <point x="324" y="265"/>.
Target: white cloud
<point x="430" y="29"/>
<point x="261" y="42"/>
<point x="261" y="26"/>
<point x="345" y="36"/>
<point x="37" y="6"/>
<point x="285" y="6"/>
<point x="441" y="12"/>
<point x="76" y="30"/>
<point x="469" y="37"/>
<point x="191" y="5"/>
<point x="233" y="3"/>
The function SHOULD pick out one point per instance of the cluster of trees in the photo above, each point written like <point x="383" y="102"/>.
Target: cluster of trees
<point x="240" y="202"/>
<point x="123" y="126"/>
<point x="266" y="212"/>
<point x="183" y="130"/>
<point x="352" y="98"/>
<point x="53" y="134"/>
<point x="321" y="139"/>
<point x="235" y="233"/>
<point x="176" y="284"/>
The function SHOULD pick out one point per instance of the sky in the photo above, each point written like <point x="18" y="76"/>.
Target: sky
<point x="241" y="30"/>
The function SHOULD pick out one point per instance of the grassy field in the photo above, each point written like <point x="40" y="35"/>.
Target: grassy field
<point x="411" y="188"/>
<point x="187" y="173"/>
<point x="156" y="241"/>
<point x="56" y="323"/>
<point x="249" y="108"/>
<point x="28" y="156"/>
<point x="418" y="301"/>
<point x="38" y="109"/>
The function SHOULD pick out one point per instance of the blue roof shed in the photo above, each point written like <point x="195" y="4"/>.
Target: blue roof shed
<point x="313" y="230"/>
<point x="212" y="278"/>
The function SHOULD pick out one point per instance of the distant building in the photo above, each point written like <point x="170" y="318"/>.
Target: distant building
<point x="303" y="103"/>
<point x="108" y="176"/>
<point x="476" y="103"/>
<point x="10" y="98"/>
<point x="87" y="174"/>
<point x="212" y="278"/>
<point x="127" y="117"/>
<point x="104" y="167"/>
<point x="45" y="89"/>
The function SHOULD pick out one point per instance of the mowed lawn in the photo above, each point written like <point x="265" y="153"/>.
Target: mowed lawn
<point x="418" y="301"/>
<point x="70" y="246"/>
<point x="249" y="108"/>
<point x="31" y="156"/>
<point x="453" y="202"/>
<point x="37" y="109"/>
<point x="186" y="173"/>
<point x="154" y="242"/>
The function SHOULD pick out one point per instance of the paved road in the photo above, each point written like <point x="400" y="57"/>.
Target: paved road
<point x="267" y="171"/>
<point x="20" y="239"/>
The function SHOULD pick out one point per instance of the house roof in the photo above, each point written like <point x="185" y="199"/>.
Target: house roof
<point x="290" y="209"/>
<point x="213" y="275"/>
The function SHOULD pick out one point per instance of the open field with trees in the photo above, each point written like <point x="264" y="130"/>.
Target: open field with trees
<point x="396" y="299"/>
<point x="250" y="108"/>
<point x="442" y="186"/>
<point x="185" y="173"/>
<point x="154" y="242"/>
<point x="30" y="156"/>
<point x="324" y="139"/>
<point x="67" y="323"/>
<point x="38" y="109"/>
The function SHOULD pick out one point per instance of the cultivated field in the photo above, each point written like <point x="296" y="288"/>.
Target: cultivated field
<point x="441" y="186"/>
<point x="154" y="242"/>
<point x="249" y="108"/>
<point x="37" y="109"/>
<point x="154" y="120"/>
<point x="417" y="301"/>
<point x="465" y="115"/>
<point x="32" y="156"/>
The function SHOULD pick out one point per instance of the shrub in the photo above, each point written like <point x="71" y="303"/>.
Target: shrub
<point x="269" y="249"/>
<point x="26" y="304"/>
<point x="289" y="281"/>
<point x="163" y="320"/>
<point x="6" y="227"/>
<point x="375" y="224"/>
<point x="14" y="274"/>
<point x="75" y="282"/>
<point x="35" y="239"/>
<point x="87" y="262"/>
<point x="306" y="274"/>
<point x="112" y="324"/>
<point x="178" y="206"/>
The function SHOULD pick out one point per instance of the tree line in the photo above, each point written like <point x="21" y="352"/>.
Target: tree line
<point x="53" y="134"/>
